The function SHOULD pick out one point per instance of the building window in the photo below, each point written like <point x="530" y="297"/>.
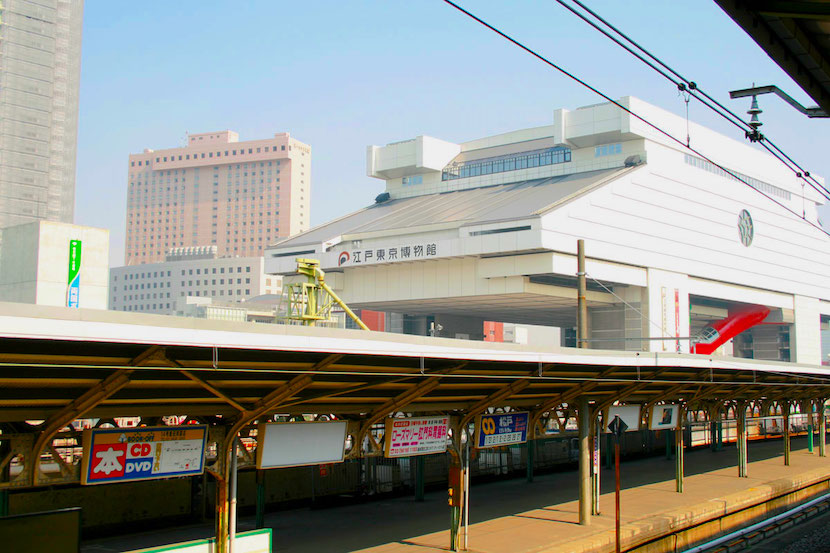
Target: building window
<point x="409" y="181"/>
<point x="608" y="150"/>
<point x="501" y="164"/>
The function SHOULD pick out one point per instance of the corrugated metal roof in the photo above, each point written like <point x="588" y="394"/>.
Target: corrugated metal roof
<point x="474" y="206"/>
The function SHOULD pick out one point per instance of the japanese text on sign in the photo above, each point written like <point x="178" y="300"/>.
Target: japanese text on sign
<point x="501" y="429"/>
<point x="386" y="255"/>
<point x="128" y="454"/>
<point x="416" y="436"/>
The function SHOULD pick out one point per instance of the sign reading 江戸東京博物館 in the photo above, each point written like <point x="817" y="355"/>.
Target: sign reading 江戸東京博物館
<point x="388" y="254"/>
<point x="416" y="436"/>
<point x="129" y="454"/>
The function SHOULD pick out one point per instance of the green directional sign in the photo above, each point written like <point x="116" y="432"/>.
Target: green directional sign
<point x="74" y="279"/>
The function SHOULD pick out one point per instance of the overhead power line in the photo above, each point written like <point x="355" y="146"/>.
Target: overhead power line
<point x="693" y="89"/>
<point x="629" y="111"/>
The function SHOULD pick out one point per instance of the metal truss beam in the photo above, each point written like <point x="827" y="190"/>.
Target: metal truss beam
<point x="83" y="404"/>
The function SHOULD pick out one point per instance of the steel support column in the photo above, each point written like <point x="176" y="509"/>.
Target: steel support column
<point x="807" y="408"/>
<point x="785" y="411"/>
<point x="531" y="454"/>
<point x="742" y="449"/>
<point x="595" y="468"/>
<point x="260" y="498"/>
<point x="419" y="478"/>
<point x="581" y="293"/>
<point x="232" y="499"/>
<point x="679" y="452"/>
<point x="822" y="429"/>
<point x="456" y="493"/>
<point x="584" y="461"/>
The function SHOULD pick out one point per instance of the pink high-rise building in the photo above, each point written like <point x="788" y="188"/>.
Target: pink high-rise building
<point x="240" y="196"/>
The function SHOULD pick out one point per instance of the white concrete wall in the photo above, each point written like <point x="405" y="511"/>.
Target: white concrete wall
<point x="806" y="337"/>
<point x="18" y="263"/>
<point x="677" y="218"/>
<point x="34" y="264"/>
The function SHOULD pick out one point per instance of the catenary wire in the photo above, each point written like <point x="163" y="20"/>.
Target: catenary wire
<point x="629" y="111"/>
<point x="694" y="89"/>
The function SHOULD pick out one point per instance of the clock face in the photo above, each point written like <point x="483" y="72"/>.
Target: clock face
<point x="746" y="228"/>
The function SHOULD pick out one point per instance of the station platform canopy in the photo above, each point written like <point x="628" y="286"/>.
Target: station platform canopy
<point x="51" y="357"/>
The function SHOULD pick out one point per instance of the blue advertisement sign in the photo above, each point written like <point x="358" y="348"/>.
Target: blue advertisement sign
<point x="501" y="429"/>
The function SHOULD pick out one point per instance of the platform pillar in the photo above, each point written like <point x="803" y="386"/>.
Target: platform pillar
<point x="456" y="502"/>
<point x="822" y="429"/>
<point x="584" y="462"/>
<point x="595" y="466"/>
<point x="785" y="411"/>
<point x="260" y="498"/>
<point x="221" y="515"/>
<point x="232" y="499"/>
<point x="807" y="408"/>
<point x="531" y="454"/>
<point x="680" y="452"/>
<point x="419" y="478"/>
<point x="742" y="449"/>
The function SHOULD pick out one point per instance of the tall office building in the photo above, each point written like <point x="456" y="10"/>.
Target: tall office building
<point x="239" y="196"/>
<point x="40" y="66"/>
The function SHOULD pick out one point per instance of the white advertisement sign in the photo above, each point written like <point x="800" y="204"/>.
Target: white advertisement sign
<point x="630" y="415"/>
<point x="292" y="444"/>
<point x="664" y="417"/>
<point x="416" y="436"/>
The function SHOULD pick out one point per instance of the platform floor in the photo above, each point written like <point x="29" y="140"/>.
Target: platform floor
<point x="515" y="516"/>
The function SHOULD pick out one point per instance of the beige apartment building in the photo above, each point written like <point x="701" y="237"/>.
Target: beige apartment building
<point x="238" y="196"/>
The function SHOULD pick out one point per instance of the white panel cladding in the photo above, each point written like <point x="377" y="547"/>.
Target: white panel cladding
<point x="434" y="154"/>
<point x="439" y="278"/>
<point x="807" y="335"/>
<point x="688" y="223"/>
<point x="561" y="264"/>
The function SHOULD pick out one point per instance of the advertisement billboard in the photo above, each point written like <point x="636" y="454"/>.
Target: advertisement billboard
<point x="416" y="436"/>
<point x="629" y="414"/>
<point x="293" y="444"/>
<point x="130" y="454"/>
<point x="73" y="280"/>
<point x="501" y="429"/>
<point x="664" y="417"/>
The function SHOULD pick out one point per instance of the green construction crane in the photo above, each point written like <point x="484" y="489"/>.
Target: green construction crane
<point x="311" y="301"/>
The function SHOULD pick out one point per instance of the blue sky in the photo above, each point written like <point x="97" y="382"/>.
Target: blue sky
<point x="343" y="75"/>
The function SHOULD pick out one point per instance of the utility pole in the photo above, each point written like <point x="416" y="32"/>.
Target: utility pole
<point x="581" y="287"/>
